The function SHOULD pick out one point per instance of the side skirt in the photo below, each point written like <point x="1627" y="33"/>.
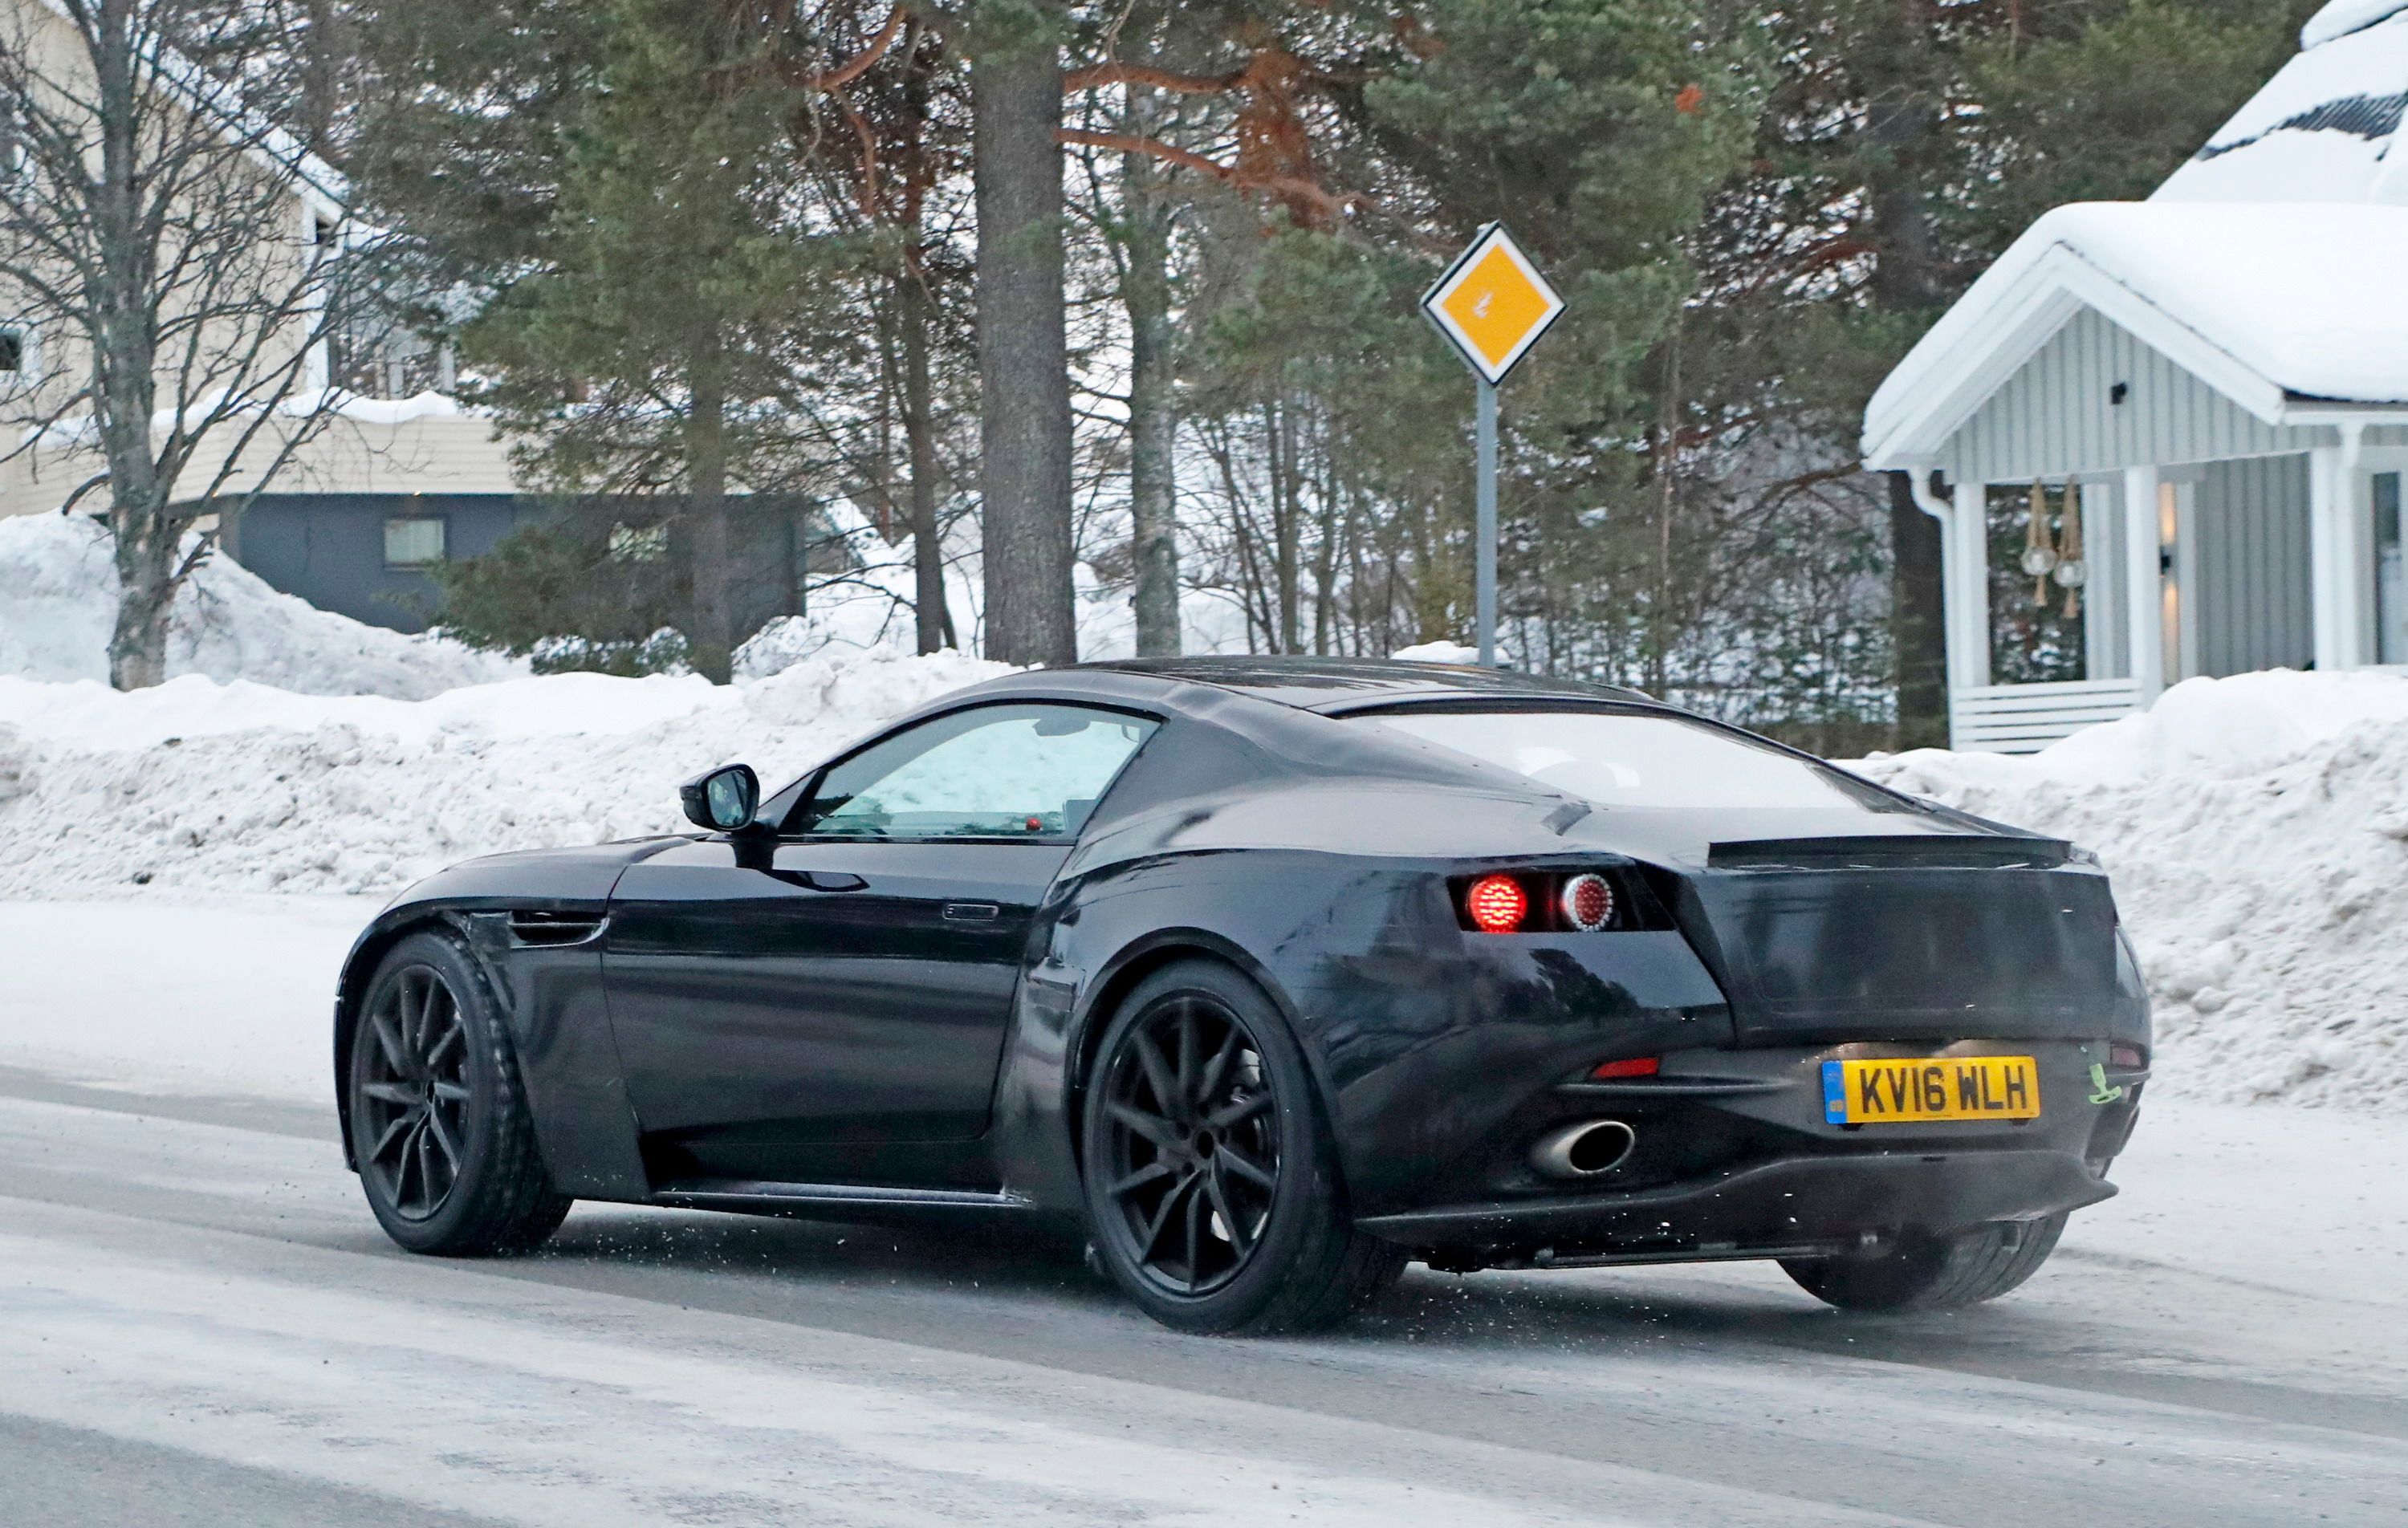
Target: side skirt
<point x="830" y="1201"/>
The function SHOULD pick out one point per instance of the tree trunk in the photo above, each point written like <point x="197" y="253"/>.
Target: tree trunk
<point x="934" y="625"/>
<point x="1916" y="621"/>
<point x="711" y="644"/>
<point x="146" y="583"/>
<point x="1024" y="364"/>
<point x="319" y="75"/>
<point x="1324" y="552"/>
<point x="1907" y="278"/>
<point x="1154" y="411"/>
<point x="1279" y="421"/>
<point x="145" y="528"/>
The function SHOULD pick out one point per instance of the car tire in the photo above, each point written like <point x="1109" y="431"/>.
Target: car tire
<point x="442" y="1133"/>
<point x="1227" y="1254"/>
<point x="1935" y="1273"/>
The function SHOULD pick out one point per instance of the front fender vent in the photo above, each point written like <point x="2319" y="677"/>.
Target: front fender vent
<point x="531" y="927"/>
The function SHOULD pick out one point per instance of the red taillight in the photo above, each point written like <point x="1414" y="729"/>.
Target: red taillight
<point x="1497" y="904"/>
<point x="2125" y="1055"/>
<point x="1635" y="1067"/>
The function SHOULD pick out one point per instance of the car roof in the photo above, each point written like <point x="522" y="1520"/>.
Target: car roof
<point x="1329" y="685"/>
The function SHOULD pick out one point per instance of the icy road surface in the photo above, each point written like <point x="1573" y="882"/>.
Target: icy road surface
<point x="199" y="1323"/>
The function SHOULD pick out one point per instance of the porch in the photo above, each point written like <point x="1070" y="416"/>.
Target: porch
<point x="2291" y="561"/>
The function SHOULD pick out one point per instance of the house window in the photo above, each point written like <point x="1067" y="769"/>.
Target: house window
<point x="12" y="351"/>
<point x="413" y="541"/>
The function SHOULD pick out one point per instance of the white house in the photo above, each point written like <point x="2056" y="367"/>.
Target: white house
<point x="390" y="484"/>
<point x="2217" y="375"/>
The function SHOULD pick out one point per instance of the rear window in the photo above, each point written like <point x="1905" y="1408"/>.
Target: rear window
<point x="1625" y="759"/>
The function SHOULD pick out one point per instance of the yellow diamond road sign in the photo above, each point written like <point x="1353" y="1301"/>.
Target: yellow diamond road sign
<point x="1493" y="303"/>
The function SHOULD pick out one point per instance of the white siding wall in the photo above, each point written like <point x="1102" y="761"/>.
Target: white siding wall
<point x="2056" y="417"/>
<point x="2250" y="580"/>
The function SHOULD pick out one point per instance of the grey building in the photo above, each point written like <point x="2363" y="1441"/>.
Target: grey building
<point x="368" y="555"/>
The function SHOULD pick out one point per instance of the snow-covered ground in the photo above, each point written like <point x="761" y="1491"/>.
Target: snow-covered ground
<point x="195" y="1306"/>
<point x="2257" y="827"/>
<point x="203" y="787"/>
<point x="233" y="999"/>
<point x="2256" y="832"/>
<point x="56" y="609"/>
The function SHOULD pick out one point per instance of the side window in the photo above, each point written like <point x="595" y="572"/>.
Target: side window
<point x="1033" y="771"/>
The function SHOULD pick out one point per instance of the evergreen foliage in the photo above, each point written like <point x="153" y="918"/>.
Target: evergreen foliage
<point x="646" y="215"/>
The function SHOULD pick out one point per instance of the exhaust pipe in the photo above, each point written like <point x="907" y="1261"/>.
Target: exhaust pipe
<point x="1584" y="1149"/>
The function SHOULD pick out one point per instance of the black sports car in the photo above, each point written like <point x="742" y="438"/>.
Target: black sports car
<point x="1267" y="976"/>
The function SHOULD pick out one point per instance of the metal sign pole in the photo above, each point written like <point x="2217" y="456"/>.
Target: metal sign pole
<point x="1485" y="574"/>
<point x="1492" y="305"/>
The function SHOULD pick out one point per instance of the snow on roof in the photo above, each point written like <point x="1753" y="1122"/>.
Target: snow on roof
<point x="2323" y="128"/>
<point x="2342" y="17"/>
<point x="2274" y="304"/>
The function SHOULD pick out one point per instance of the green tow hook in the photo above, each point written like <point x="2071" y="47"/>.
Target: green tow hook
<point x="2100" y="1091"/>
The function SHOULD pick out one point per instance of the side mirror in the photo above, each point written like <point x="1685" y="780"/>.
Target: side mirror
<point x="723" y="800"/>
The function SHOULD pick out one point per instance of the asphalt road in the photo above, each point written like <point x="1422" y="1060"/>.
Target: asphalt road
<point x="199" y="1323"/>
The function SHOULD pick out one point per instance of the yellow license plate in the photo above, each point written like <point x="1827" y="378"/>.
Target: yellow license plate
<point x="1913" y="1090"/>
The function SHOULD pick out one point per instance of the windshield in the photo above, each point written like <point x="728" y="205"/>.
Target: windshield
<point x="1631" y="759"/>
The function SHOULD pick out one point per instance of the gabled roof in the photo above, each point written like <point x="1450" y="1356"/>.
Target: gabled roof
<point x="2324" y="128"/>
<point x="2285" y="308"/>
<point x="2340" y="18"/>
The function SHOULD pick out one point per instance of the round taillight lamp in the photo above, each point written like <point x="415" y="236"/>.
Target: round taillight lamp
<point x="1497" y="904"/>
<point x="1586" y="902"/>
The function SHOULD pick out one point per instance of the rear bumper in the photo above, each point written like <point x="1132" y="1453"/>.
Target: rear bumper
<point x="1787" y="1203"/>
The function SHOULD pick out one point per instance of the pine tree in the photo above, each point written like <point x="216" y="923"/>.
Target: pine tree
<point x="651" y="308"/>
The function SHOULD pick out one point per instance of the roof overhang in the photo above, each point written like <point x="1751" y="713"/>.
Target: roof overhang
<point x="1989" y="335"/>
<point x="2277" y="307"/>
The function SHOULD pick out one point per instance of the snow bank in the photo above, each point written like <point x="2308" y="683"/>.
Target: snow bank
<point x="2256" y="829"/>
<point x="205" y="787"/>
<point x="1438" y="653"/>
<point x="58" y="602"/>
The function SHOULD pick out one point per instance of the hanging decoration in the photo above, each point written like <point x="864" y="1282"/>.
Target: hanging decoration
<point x="2040" y="547"/>
<point x="2072" y="571"/>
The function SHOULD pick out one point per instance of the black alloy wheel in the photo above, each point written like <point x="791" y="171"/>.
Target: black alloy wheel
<point x="1194" y="1144"/>
<point x="414" y="1093"/>
<point x="440" y="1129"/>
<point x="1213" y="1194"/>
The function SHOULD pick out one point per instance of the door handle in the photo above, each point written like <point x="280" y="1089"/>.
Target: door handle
<point x="971" y="912"/>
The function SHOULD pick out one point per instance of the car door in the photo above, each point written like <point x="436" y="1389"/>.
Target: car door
<point x="827" y="1002"/>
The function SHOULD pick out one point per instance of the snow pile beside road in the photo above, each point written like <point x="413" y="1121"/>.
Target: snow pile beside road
<point x="58" y="600"/>
<point x="2256" y="829"/>
<point x="197" y="786"/>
